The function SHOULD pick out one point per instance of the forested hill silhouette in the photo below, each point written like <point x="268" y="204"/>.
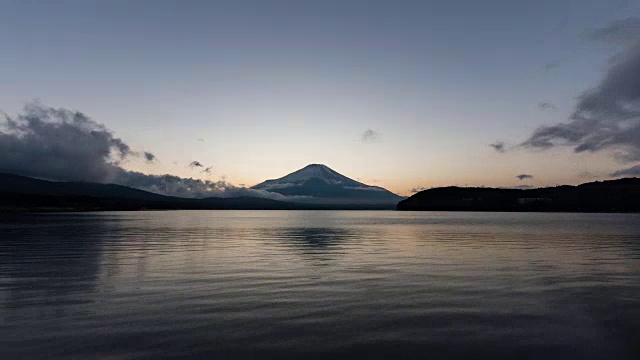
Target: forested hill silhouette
<point x="21" y="193"/>
<point x="622" y="195"/>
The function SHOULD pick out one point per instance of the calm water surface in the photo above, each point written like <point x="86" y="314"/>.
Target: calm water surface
<point x="238" y="284"/>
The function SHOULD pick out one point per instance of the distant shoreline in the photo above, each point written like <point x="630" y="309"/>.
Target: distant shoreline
<point x="36" y="211"/>
<point x="19" y="194"/>
<point x="612" y="196"/>
<point x="85" y="210"/>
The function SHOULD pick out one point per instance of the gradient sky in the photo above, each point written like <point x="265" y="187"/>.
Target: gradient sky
<point x="271" y="86"/>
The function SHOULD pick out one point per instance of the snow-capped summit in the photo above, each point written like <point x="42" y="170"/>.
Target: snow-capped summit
<point x="319" y="181"/>
<point x="308" y="172"/>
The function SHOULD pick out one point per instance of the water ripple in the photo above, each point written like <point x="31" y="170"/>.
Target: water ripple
<point x="238" y="284"/>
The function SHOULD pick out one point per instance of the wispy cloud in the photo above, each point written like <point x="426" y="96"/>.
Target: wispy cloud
<point x="621" y="32"/>
<point x="551" y="65"/>
<point x="632" y="171"/>
<point x="606" y="117"/>
<point x="370" y="135"/>
<point x="195" y="164"/>
<point x="498" y="146"/>
<point x="547" y="106"/>
<point x="149" y="157"/>
<point x="524" y="177"/>
<point x="187" y="187"/>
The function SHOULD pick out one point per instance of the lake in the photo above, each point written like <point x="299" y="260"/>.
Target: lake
<point x="299" y="284"/>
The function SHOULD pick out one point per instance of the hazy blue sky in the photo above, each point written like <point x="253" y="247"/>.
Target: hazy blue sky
<point x="270" y="86"/>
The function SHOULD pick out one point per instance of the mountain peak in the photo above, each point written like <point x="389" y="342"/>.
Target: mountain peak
<point x="318" y="168"/>
<point x="313" y="171"/>
<point x="318" y="180"/>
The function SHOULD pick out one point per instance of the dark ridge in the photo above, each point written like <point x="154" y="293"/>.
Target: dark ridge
<point x="24" y="194"/>
<point x="622" y="195"/>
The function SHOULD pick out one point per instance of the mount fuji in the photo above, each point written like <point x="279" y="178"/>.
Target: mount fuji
<point x="319" y="184"/>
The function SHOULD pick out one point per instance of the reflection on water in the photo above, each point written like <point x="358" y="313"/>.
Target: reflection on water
<point x="237" y="284"/>
<point x="50" y="260"/>
<point x="319" y="246"/>
<point x="310" y="239"/>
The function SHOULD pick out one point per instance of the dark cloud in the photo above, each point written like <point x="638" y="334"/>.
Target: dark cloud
<point x="632" y="171"/>
<point x="547" y="106"/>
<point x="607" y="117"/>
<point x="208" y="169"/>
<point x="64" y="145"/>
<point x="498" y="146"/>
<point x="149" y="156"/>
<point x="370" y="136"/>
<point x="195" y="164"/>
<point x="59" y="144"/>
<point x="418" y="189"/>
<point x="524" y="177"/>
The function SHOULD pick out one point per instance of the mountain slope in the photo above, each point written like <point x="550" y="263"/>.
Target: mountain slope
<point x="20" y="192"/>
<point x="320" y="184"/>
<point x="10" y="183"/>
